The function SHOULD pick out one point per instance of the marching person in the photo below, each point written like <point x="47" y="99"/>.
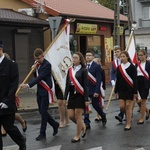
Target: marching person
<point x="9" y="78"/>
<point x="115" y="63"/>
<point x="17" y="116"/>
<point x="94" y="83"/>
<point x="44" y="92"/>
<point x="143" y="74"/>
<point x="64" y="120"/>
<point x="102" y="88"/>
<point x="77" y="88"/>
<point x="126" y="86"/>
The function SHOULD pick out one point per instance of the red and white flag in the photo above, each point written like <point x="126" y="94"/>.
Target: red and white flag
<point x="60" y="57"/>
<point x="131" y="48"/>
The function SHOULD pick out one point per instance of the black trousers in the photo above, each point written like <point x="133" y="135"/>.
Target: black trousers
<point x="43" y="104"/>
<point x="8" y="123"/>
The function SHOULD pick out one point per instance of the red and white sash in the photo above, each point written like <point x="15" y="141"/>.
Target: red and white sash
<point x="78" y="86"/>
<point x="144" y="72"/>
<point x="91" y="78"/>
<point x="125" y="75"/>
<point x="115" y="64"/>
<point x="46" y="87"/>
<point x="102" y="95"/>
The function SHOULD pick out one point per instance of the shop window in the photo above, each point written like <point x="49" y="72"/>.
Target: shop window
<point x="73" y="39"/>
<point x="94" y="43"/>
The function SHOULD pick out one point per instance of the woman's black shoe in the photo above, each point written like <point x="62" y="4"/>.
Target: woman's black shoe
<point x="24" y="129"/>
<point x="75" y="141"/>
<point x="4" y="134"/>
<point x="127" y="129"/>
<point x="147" y="115"/>
<point x="139" y="123"/>
<point x="83" y="134"/>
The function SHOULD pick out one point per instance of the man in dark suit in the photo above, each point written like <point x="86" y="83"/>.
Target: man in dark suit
<point x="9" y="78"/>
<point x="44" y="93"/>
<point x="94" y="82"/>
<point x="115" y="63"/>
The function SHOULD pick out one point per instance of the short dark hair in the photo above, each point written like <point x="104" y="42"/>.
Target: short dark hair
<point x="90" y="51"/>
<point x="38" y="52"/>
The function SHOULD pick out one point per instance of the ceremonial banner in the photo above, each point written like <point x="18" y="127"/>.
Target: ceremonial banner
<point x="60" y="57"/>
<point x="131" y="48"/>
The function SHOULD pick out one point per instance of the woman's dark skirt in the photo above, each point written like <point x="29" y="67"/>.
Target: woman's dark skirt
<point x="76" y="100"/>
<point x="143" y="91"/>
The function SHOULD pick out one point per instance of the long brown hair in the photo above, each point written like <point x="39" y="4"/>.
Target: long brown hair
<point x="81" y="57"/>
<point x="127" y="55"/>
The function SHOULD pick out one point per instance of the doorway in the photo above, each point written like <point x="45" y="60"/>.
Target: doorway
<point x="83" y="44"/>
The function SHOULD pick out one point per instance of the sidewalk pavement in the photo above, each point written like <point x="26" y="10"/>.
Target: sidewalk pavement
<point x="28" y="99"/>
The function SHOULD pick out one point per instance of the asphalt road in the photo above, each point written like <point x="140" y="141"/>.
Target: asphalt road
<point x="111" y="137"/>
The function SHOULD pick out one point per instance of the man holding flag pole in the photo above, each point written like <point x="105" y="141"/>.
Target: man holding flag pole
<point x="58" y="54"/>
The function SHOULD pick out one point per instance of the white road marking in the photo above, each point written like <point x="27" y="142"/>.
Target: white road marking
<point x="52" y="148"/>
<point x="96" y="148"/>
<point x="12" y="147"/>
<point x="140" y="148"/>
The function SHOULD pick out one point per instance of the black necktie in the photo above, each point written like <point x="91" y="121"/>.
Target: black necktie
<point x="88" y="66"/>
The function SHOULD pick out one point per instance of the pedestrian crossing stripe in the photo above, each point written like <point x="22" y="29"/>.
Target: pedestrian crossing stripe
<point x="52" y="148"/>
<point x="140" y="148"/>
<point x="96" y="148"/>
<point x="13" y="147"/>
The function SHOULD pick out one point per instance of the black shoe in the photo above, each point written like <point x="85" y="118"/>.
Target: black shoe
<point x="98" y="119"/>
<point x="5" y="134"/>
<point x="127" y="129"/>
<point x="88" y="126"/>
<point x="75" y="141"/>
<point x="140" y="123"/>
<point x="40" y="137"/>
<point x="55" y="129"/>
<point x="147" y="115"/>
<point x="118" y="118"/>
<point x="83" y="134"/>
<point x="24" y="129"/>
<point x="104" y="121"/>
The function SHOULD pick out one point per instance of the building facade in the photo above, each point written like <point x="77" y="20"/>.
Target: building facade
<point x="141" y="14"/>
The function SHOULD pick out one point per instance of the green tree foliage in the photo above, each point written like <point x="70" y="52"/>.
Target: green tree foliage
<point x="107" y="3"/>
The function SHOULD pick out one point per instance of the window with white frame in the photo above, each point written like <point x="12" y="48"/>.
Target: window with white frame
<point x="146" y="12"/>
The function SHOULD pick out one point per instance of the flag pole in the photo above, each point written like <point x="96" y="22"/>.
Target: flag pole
<point x="32" y="70"/>
<point x="112" y="91"/>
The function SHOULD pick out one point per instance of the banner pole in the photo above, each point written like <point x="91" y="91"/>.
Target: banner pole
<point x="31" y="71"/>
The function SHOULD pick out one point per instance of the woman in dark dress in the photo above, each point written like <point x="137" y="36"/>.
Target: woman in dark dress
<point x="64" y="120"/>
<point x="126" y="86"/>
<point x="77" y="93"/>
<point x="143" y="74"/>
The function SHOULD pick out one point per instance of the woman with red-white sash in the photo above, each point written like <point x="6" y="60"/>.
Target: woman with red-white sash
<point x="143" y="78"/>
<point x="126" y="86"/>
<point x="77" y="93"/>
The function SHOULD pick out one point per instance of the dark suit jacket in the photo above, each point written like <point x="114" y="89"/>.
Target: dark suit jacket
<point x="9" y="79"/>
<point x="147" y="68"/>
<point x="44" y="74"/>
<point x="121" y="83"/>
<point x="81" y="76"/>
<point x="96" y="71"/>
<point x="113" y="71"/>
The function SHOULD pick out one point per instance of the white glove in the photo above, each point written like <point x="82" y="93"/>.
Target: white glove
<point x="112" y="82"/>
<point x="3" y="106"/>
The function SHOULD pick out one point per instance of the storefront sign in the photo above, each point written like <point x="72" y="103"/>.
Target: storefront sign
<point x="121" y="30"/>
<point x="83" y="28"/>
